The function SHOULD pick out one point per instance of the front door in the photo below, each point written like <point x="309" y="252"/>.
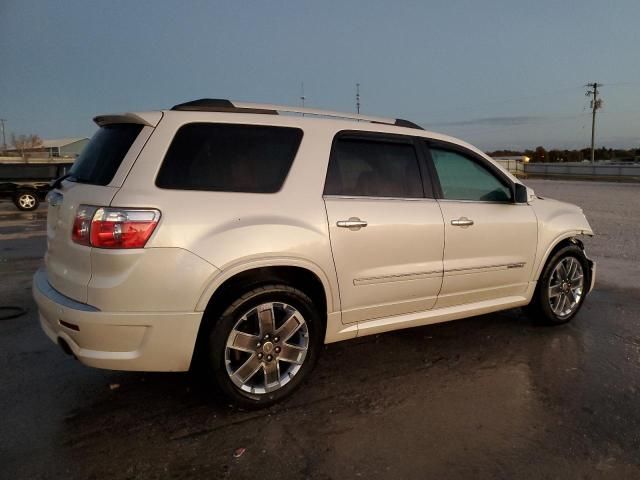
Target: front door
<point x="490" y="241"/>
<point x="387" y="235"/>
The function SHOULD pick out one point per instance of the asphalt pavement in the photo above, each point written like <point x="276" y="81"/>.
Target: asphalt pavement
<point x="488" y="397"/>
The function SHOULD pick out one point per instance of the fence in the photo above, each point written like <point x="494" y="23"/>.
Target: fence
<point x="512" y="165"/>
<point x="28" y="160"/>
<point x="585" y="170"/>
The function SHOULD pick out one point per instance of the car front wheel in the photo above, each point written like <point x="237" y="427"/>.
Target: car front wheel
<point x="562" y="287"/>
<point x="264" y="345"/>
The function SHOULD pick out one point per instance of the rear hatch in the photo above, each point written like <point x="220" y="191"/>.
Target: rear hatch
<point x="93" y="181"/>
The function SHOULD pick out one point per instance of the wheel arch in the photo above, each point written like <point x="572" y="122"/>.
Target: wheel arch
<point x="284" y="267"/>
<point x="559" y="243"/>
<point x="307" y="277"/>
<point x="24" y="189"/>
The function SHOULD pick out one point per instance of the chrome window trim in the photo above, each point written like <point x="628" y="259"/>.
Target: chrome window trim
<point x="357" y="197"/>
<point x="449" y="200"/>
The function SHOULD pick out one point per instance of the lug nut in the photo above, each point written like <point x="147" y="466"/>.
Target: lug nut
<point x="260" y="355"/>
<point x="269" y="358"/>
<point x="276" y="339"/>
<point x="266" y="337"/>
<point x="258" y="344"/>
<point x="278" y="349"/>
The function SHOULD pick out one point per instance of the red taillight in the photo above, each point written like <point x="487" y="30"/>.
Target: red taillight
<point x="116" y="227"/>
<point x="82" y="225"/>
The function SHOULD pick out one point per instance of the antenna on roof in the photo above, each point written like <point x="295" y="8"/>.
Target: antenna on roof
<point x="302" y="97"/>
<point x="358" y="98"/>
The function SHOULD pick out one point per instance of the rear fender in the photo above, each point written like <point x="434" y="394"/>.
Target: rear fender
<point x="330" y="293"/>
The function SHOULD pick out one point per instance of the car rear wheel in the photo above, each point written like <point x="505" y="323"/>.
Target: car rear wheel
<point x="264" y="345"/>
<point x="26" y="201"/>
<point x="562" y="287"/>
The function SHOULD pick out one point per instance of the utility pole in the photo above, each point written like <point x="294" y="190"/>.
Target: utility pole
<point x="596" y="103"/>
<point x="358" y="98"/>
<point x="4" y="140"/>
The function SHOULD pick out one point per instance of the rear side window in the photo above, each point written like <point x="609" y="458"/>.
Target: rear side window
<point x="101" y="158"/>
<point x="371" y="168"/>
<point x="229" y="158"/>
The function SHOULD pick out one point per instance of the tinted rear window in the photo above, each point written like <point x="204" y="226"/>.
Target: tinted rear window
<point x="100" y="159"/>
<point x="229" y="158"/>
<point x="373" y="169"/>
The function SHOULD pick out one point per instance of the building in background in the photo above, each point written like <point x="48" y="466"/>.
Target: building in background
<point x="60" y="147"/>
<point x="514" y="164"/>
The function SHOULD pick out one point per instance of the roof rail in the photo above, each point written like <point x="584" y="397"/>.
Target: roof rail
<point x="222" y="105"/>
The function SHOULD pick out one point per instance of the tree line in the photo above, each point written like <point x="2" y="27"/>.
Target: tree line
<point x="540" y="154"/>
<point x="24" y="143"/>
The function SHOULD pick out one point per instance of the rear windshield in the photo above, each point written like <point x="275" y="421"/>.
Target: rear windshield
<point x="100" y="159"/>
<point x="229" y="158"/>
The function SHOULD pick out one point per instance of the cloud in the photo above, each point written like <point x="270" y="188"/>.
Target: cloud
<point x="493" y="121"/>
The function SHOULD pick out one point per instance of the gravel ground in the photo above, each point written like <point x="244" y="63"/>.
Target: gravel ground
<point x="613" y="210"/>
<point x="488" y="397"/>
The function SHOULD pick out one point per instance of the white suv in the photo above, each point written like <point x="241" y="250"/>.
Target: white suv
<point x="245" y="236"/>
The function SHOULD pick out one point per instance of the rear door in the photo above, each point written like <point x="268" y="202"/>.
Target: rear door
<point x="94" y="180"/>
<point x="387" y="234"/>
<point x="490" y="241"/>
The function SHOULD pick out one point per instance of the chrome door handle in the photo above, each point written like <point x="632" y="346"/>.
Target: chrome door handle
<point x="462" y="222"/>
<point x="354" y="223"/>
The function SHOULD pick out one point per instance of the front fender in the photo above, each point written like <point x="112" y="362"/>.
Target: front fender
<point x="557" y="222"/>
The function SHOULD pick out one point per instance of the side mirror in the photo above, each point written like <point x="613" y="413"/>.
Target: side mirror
<point x="520" y="193"/>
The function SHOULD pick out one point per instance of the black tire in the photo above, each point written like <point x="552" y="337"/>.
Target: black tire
<point x="215" y="361"/>
<point x="26" y="201"/>
<point x="540" y="309"/>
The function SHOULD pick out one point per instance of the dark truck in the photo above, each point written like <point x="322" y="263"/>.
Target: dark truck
<point x="27" y="184"/>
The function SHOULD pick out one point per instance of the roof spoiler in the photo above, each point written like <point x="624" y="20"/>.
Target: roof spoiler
<point x="150" y="119"/>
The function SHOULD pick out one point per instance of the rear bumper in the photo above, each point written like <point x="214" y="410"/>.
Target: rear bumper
<point x="143" y="341"/>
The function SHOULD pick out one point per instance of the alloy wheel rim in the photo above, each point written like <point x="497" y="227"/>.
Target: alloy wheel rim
<point x="566" y="287"/>
<point x="27" y="201"/>
<point x="266" y="348"/>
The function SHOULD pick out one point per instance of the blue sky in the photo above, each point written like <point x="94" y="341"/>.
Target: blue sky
<point x="495" y="73"/>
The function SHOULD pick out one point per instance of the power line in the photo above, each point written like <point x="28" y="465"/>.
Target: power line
<point x="618" y="84"/>
<point x="596" y="103"/>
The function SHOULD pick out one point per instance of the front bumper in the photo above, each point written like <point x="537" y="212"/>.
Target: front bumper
<point x="592" y="276"/>
<point x="143" y="341"/>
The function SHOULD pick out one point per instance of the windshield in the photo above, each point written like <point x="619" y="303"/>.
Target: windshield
<point x="100" y="159"/>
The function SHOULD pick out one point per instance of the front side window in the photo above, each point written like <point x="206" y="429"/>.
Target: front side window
<point x="462" y="178"/>
<point x="371" y="168"/>
<point x="229" y="158"/>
